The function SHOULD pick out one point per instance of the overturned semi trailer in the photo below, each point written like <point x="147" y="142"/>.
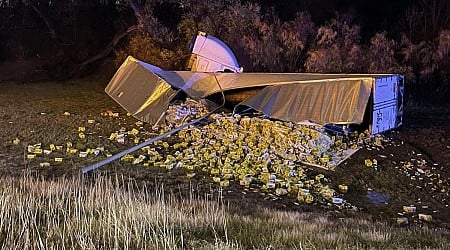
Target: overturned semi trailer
<point x="145" y="91"/>
<point x="341" y="100"/>
<point x="374" y="100"/>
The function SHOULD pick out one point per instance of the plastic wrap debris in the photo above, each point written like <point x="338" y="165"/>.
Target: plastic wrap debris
<point x="337" y="200"/>
<point x="184" y="112"/>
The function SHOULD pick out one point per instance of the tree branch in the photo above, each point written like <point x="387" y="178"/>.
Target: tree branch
<point x="102" y="54"/>
<point x="47" y="21"/>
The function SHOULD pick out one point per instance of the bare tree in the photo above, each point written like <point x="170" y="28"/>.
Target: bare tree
<point x="149" y="23"/>
<point x="424" y="19"/>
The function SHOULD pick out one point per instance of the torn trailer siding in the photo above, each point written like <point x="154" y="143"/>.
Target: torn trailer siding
<point x="139" y="91"/>
<point x="340" y="101"/>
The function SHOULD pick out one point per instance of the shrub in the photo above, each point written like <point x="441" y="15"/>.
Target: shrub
<point x="381" y="55"/>
<point x="337" y="49"/>
<point x="145" y="48"/>
<point x="278" y="46"/>
<point x="228" y="20"/>
<point x="428" y="67"/>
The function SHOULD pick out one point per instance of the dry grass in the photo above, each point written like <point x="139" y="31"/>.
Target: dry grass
<point x="113" y="212"/>
<point x="110" y="212"/>
<point x="106" y="213"/>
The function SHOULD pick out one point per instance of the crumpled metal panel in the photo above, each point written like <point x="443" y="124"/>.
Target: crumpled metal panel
<point x="140" y="92"/>
<point x="340" y="102"/>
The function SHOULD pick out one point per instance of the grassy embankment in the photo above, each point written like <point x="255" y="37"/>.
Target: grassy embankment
<point x="114" y="213"/>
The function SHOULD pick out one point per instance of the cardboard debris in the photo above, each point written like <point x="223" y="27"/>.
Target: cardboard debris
<point x="72" y="151"/>
<point x="402" y="221"/>
<point x="133" y="132"/>
<point x="138" y="160"/>
<point x="409" y="209"/>
<point x="224" y="183"/>
<point x="252" y="151"/>
<point x="44" y="164"/>
<point x="343" y="188"/>
<point x="110" y="113"/>
<point x="113" y="136"/>
<point x="425" y="217"/>
<point x="281" y="191"/>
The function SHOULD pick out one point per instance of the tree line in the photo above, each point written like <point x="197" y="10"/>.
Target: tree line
<point x="80" y="32"/>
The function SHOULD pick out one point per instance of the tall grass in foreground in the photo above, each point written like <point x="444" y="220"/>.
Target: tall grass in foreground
<point x="110" y="213"/>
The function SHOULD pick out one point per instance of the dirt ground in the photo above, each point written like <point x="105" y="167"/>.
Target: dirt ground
<point x="413" y="164"/>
